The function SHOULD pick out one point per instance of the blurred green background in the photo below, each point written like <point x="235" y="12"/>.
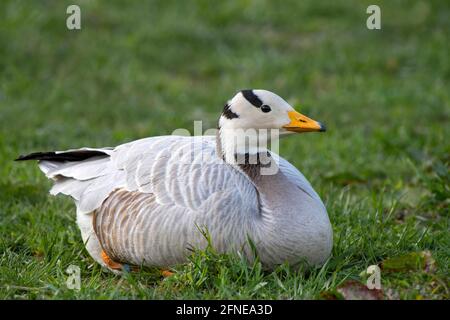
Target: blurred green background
<point x="144" y="68"/>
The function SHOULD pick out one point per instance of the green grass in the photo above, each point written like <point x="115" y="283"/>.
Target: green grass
<point x="144" y="69"/>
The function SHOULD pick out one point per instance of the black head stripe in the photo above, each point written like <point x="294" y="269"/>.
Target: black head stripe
<point x="252" y="98"/>
<point x="227" y="113"/>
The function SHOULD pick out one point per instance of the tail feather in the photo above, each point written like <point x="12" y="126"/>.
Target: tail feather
<point x="75" y="155"/>
<point x="87" y="175"/>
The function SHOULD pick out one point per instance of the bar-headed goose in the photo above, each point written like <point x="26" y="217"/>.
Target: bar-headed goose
<point x="145" y="202"/>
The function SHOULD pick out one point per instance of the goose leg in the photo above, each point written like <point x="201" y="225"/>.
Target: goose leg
<point x="116" y="266"/>
<point x="94" y="247"/>
<point x="110" y="263"/>
<point x="167" y="273"/>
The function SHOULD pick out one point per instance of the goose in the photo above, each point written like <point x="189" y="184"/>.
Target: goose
<point x="141" y="203"/>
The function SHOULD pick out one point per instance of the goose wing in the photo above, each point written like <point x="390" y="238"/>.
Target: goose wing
<point x="179" y="171"/>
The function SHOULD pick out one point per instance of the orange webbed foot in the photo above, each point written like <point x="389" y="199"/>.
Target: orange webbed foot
<point x="110" y="263"/>
<point x="167" y="273"/>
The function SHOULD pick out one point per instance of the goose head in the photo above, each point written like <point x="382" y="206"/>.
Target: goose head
<point x="262" y="109"/>
<point x="248" y="112"/>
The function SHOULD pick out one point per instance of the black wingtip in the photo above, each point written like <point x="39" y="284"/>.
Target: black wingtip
<point x="76" y="155"/>
<point x="31" y="156"/>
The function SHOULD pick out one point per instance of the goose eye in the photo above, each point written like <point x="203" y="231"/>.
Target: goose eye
<point x="265" y="108"/>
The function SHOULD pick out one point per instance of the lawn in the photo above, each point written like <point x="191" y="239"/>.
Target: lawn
<point x="141" y="69"/>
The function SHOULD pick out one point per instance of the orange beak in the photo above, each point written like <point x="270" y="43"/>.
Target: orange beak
<point x="301" y="123"/>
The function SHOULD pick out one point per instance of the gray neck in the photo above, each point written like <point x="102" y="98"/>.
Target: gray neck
<point x="275" y="191"/>
<point x="292" y="223"/>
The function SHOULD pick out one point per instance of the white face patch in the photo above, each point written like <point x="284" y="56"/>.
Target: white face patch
<point x="251" y="123"/>
<point x="257" y="109"/>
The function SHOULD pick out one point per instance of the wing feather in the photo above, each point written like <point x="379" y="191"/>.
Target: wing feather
<point x="179" y="171"/>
